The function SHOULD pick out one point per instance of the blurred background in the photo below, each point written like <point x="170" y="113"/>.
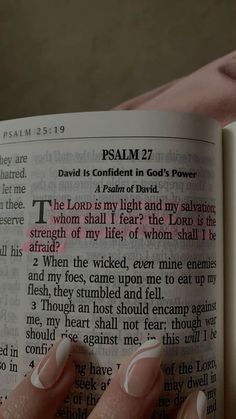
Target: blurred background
<point x="74" y="55"/>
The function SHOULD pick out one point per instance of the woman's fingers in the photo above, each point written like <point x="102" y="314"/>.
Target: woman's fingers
<point x="41" y="393"/>
<point x="133" y="392"/>
<point x="136" y="388"/>
<point x="194" y="407"/>
<point x="209" y="91"/>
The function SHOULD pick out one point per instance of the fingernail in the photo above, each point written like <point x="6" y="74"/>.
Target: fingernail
<point x="229" y="68"/>
<point x="194" y="407"/>
<point x="51" y="367"/>
<point x="139" y="376"/>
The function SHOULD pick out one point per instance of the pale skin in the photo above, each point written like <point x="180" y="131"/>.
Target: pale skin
<point x="133" y="392"/>
<point x="210" y="91"/>
<point x="44" y="404"/>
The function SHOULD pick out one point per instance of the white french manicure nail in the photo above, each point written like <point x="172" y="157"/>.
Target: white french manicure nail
<point x="194" y="407"/>
<point x="51" y="367"/>
<point x="138" y="378"/>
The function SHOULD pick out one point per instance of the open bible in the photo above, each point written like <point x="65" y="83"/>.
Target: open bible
<point x="111" y="233"/>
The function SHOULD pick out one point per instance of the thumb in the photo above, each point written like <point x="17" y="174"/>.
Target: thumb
<point x="41" y="393"/>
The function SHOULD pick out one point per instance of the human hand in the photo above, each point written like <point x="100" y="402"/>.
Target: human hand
<point x="209" y="91"/>
<point x="132" y="393"/>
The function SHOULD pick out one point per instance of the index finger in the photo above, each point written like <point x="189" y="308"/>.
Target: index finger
<point x="136" y="388"/>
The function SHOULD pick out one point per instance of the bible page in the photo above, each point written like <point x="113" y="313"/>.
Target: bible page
<point x="111" y="235"/>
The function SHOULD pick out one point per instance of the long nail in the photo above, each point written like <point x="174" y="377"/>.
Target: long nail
<point x="139" y="376"/>
<point x="194" y="407"/>
<point x="51" y="367"/>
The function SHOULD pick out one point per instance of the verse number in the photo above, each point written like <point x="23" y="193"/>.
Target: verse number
<point x="35" y="263"/>
<point x="33" y="305"/>
<point x="31" y="364"/>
